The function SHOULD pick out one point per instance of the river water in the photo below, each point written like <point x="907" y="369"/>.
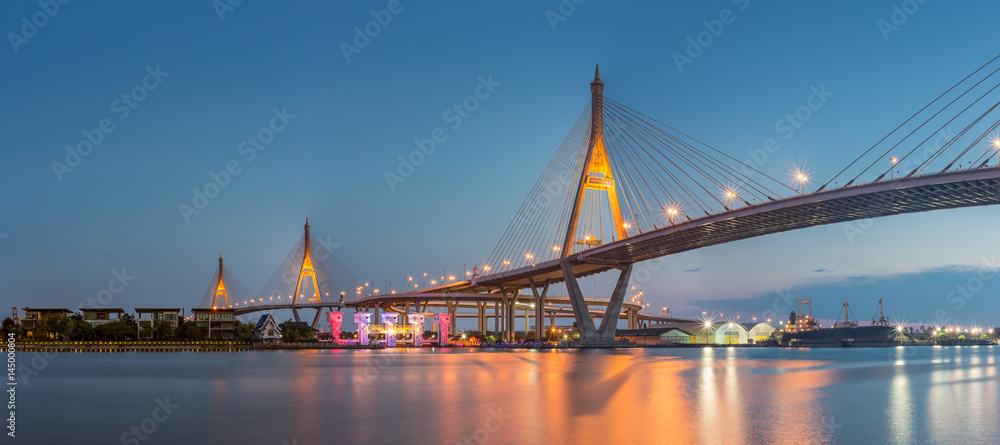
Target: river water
<point x="644" y="396"/>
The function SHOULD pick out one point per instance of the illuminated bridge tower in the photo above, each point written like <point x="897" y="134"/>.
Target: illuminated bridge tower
<point x="220" y="288"/>
<point x="306" y="270"/>
<point x="310" y="277"/>
<point x="223" y="291"/>
<point x="308" y="273"/>
<point x="596" y="175"/>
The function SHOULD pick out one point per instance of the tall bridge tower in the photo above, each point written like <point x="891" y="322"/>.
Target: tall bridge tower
<point x="220" y="288"/>
<point x="306" y="270"/>
<point x="596" y="175"/>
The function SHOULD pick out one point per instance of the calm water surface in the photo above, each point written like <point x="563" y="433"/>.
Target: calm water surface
<point x="721" y="395"/>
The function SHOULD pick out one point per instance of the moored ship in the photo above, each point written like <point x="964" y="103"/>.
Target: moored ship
<point x="803" y="331"/>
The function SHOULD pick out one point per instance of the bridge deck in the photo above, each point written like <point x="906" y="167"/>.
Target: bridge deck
<point x="954" y="189"/>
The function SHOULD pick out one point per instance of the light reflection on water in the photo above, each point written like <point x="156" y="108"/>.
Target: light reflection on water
<point x="720" y="395"/>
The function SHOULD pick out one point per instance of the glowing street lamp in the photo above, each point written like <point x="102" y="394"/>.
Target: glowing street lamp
<point x="729" y="195"/>
<point x="672" y="212"/>
<point x="996" y="144"/>
<point x="801" y="178"/>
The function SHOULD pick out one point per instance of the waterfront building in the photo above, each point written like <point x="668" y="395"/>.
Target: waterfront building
<point x="760" y="332"/>
<point x="99" y="316"/>
<point x="658" y="335"/>
<point x="33" y="318"/>
<point x="267" y="329"/>
<point x="215" y="323"/>
<point x="676" y="336"/>
<point x="716" y="333"/>
<point x="156" y="315"/>
<point x="731" y="333"/>
<point x="307" y="327"/>
<point x="701" y="333"/>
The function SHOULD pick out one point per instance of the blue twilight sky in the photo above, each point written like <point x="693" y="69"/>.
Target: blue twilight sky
<point x="223" y="73"/>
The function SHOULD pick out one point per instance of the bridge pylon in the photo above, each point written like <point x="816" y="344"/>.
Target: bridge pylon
<point x="224" y="290"/>
<point x="307" y="272"/>
<point x="596" y="175"/>
<point x="310" y="277"/>
<point x="220" y="287"/>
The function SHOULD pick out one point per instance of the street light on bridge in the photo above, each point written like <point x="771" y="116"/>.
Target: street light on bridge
<point x="801" y="178"/>
<point x="996" y="144"/>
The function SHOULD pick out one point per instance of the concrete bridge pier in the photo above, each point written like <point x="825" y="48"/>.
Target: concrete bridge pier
<point x="481" y="316"/>
<point x="591" y="335"/>
<point x="539" y="310"/>
<point x="315" y="323"/>
<point x="496" y="317"/>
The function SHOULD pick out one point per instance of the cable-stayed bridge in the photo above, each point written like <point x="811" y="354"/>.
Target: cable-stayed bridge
<point x="624" y="188"/>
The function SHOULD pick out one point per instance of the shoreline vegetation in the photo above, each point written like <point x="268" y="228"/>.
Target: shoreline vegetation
<point x="168" y="345"/>
<point x="230" y="346"/>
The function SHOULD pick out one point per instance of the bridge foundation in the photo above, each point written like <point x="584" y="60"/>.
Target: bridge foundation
<point x="539" y="309"/>
<point x="319" y="313"/>
<point x="591" y="335"/>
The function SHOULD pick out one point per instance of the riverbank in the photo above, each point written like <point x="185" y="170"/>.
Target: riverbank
<point x="176" y="346"/>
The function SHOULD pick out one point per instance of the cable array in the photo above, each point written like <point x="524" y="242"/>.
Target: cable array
<point x="658" y="176"/>
<point x="235" y="290"/>
<point x="331" y="276"/>
<point x="957" y="127"/>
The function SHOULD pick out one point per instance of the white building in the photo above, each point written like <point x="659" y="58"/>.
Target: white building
<point x="760" y="331"/>
<point x="267" y="329"/>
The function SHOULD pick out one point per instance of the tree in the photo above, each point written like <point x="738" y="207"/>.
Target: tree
<point x="78" y="328"/>
<point x="192" y="331"/>
<point x="164" y="330"/>
<point x="146" y="331"/>
<point x="116" y="330"/>
<point x="57" y="325"/>
<point x="243" y="331"/>
<point x="130" y="321"/>
<point x="9" y="326"/>
<point x="292" y="331"/>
